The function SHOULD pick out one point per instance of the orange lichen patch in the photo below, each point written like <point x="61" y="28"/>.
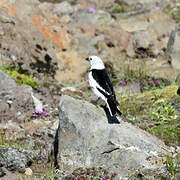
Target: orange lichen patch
<point x="48" y="30"/>
<point x="10" y="7"/>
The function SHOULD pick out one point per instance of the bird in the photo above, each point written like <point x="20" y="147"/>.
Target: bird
<point x="101" y="85"/>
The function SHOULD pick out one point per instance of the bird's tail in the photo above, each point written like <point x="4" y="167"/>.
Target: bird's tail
<point x="113" y="107"/>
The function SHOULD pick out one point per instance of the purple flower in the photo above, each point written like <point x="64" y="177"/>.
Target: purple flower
<point x="151" y="83"/>
<point x="37" y="111"/>
<point x="113" y="175"/>
<point x="156" y="7"/>
<point x="91" y="10"/>
<point x="107" y="177"/>
<point x="146" y="123"/>
<point x="157" y="83"/>
<point x="44" y="108"/>
<point x="123" y="82"/>
<point x="88" y="171"/>
<point x="139" y="126"/>
<point x="128" y="115"/>
<point x="73" y="178"/>
<point x="46" y="113"/>
<point x="83" y="176"/>
<point x="95" y="173"/>
<point x="150" y="125"/>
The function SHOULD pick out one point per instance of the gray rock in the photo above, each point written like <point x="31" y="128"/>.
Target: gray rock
<point x="5" y="81"/>
<point x="86" y="139"/>
<point x="133" y="2"/>
<point x="1" y="31"/>
<point x="100" y="17"/>
<point x="16" y="99"/>
<point x="62" y="8"/>
<point x="37" y="103"/>
<point x="88" y="44"/>
<point x="31" y="49"/>
<point x="15" y="159"/>
<point x="177" y="81"/>
<point x="141" y="44"/>
<point x="174" y="45"/>
<point x="11" y="176"/>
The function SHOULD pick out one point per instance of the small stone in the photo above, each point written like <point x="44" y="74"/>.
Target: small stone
<point x="178" y="149"/>
<point x="66" y="19"/>
<point x="18" y="113"/>
<point x="14" y="58"/>
<point x="71" y="91"/>
<point x="29" y="171"/>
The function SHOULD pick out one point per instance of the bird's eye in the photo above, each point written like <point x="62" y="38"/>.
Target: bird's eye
<point x="90" y="59"/>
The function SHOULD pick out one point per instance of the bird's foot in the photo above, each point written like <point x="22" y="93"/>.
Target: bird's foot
<point x="98" y="101"/>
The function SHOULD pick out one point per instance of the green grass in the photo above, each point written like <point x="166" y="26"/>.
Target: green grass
<point x="172" y="166"/>
<point x="153" y="112"/>
<point x="138" y="73"/>
<point x="21" y="79"/>
<point x="9" y="140"/>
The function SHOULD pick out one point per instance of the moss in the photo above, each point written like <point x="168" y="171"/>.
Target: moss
<point x="21" y="79"/>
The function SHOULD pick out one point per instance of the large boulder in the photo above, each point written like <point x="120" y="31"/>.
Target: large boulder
<point x="16" y="103"/>
<point x="14" y="159"/>
<point x="86" y="139"/>
<point x="5" y="81"/>
<point x="173" y="46"/>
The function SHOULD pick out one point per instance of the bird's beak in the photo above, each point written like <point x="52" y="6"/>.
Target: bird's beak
<point x="87" y="59"/>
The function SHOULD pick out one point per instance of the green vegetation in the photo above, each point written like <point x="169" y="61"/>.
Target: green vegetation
<point x="138" y="73"/>
<point x="172" y="166"/>
<point x="119" y="10"/>
<point x="21" y="79"/>
<point x="8" y="140"/>
<point x="153" y="112"/>
<point x="172" y="8"/>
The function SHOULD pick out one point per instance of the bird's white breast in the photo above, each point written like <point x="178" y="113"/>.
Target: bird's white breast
<point x="94" y="85"/>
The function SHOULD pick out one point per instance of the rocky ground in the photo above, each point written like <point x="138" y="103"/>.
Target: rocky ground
<point x="45" y="100"/>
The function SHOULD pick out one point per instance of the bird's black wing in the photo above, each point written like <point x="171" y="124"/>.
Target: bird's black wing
<point x="103" y="79"/>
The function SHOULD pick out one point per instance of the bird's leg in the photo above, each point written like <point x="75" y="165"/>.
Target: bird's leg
<point x="95" y="101"/>
<point x="98" y="101"/>
<point x="101" y="102"/>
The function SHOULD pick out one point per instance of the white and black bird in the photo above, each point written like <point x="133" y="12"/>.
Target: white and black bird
<point x="101" y="84"/>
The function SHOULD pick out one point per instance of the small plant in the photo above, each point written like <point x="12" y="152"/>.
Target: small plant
<point x="151" y="83"/>
<point x="172" y="8"/>
<point x="93" y="173"/>
<point x="20" y="78"/>
<point x="41" y="114"/>
<point x="164" y="111"/>
<point x="7" y="139"/>
<point x="172" y="165"/>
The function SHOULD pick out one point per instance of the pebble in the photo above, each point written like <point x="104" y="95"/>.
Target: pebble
<point x="29" y="171"/>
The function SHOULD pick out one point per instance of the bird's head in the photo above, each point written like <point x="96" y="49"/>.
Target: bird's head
<point x="95" y="62"/>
